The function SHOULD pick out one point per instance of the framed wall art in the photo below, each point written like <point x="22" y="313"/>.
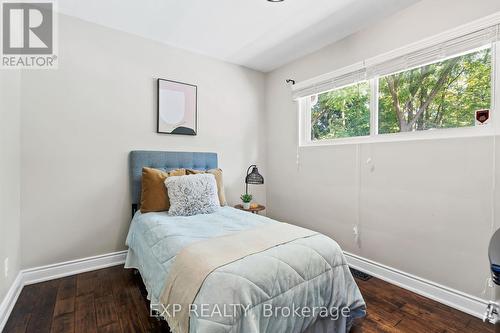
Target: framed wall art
<point x="177" y="107"/>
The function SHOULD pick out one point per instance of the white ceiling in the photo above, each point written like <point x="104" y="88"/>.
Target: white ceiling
<point x="253" y="33"/>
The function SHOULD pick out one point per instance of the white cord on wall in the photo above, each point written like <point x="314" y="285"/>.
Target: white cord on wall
<point x="297" y="161"/>
<point x="489" y="282"/>
<point x="493" y="189"/>
<point x="496" y="126"/>
<point x="357" y="226"/>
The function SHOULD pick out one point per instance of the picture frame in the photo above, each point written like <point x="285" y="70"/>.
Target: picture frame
<point x="177" y="107"/>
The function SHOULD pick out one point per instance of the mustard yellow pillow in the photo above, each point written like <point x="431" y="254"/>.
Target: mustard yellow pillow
<point x="218" y="178"/>
<point x="154" y="196"/>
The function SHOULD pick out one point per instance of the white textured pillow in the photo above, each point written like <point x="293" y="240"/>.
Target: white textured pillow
<point x="192" y="195"/>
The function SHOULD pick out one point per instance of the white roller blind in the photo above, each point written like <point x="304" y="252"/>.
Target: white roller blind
<point x="384" y="65"/>
<point x="435" y="53"/>
<point x="337" y="79"/>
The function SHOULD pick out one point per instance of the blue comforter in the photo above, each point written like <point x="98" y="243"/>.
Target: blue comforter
<point x="302" y="286"/>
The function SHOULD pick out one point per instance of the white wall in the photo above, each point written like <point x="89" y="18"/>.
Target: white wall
<point x="9" y="177"/>
<point x="424" y="207"/>
<point x="79" y="123"/>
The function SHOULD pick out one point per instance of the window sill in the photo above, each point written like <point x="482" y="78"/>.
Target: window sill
<point x="448" y="133"/>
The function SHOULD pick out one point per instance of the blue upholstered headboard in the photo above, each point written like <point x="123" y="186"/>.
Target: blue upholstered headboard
<point x="165" y="160"/>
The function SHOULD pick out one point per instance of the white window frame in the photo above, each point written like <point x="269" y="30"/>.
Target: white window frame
<point x="489" y="129"/>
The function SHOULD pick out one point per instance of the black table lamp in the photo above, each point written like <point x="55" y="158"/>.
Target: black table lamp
<point x="253" y="177"/>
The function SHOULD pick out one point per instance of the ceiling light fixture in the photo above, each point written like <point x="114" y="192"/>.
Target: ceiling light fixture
<point x="275" y="0"/>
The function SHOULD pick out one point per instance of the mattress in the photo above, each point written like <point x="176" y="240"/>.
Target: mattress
<point x="271" y="289"/>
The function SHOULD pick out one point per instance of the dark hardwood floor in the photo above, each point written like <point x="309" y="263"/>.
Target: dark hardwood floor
<point x="113" y="300"/>
<point x="393" y="309"/>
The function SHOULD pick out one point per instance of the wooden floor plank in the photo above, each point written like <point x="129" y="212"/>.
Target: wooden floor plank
<point x="21" y="314"/>
<point x="129" y="322"/>
<point x="67" y="288"/>
<point x="85" y="317"/>
<point x="63" y="323"/>
<point x="113" y="300"/>
<point x="42" y="313"/>
<point x="86" y="283"/>
<point x="64" y="306"/>
<point x="105" y="309"/>
<point x="111" y="328"/>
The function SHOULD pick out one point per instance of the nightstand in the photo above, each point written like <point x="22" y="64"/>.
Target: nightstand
<point x="255" y="210"/>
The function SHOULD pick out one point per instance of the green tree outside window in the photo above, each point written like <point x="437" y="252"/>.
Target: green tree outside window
<point x="445" y="94"/>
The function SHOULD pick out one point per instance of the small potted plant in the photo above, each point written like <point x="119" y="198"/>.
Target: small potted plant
<point x="246" y="198"/>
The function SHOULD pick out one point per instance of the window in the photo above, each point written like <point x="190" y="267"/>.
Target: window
<point x="435" y="89"/>
<point x="445" y="94"/>
<point x="341" y="113"/>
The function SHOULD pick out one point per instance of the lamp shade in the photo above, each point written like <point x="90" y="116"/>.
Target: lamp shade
<point x="254" y="177"/>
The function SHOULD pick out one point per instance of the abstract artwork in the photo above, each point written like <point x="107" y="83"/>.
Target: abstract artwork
<point x="177" y="104"/>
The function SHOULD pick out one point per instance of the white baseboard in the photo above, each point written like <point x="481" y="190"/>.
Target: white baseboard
<point x="453" y="298"/>
<point x="448" y="296"/>
<point x="9" y="300"/>
<point x="55" y="271"/>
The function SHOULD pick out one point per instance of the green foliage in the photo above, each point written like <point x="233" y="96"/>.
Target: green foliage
<point x="246" y="198"/>
<point x="342" y="113"/>
<point x="440" y="95"/>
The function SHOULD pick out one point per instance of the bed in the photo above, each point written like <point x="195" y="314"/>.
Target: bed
<point x="302" y="285"/>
